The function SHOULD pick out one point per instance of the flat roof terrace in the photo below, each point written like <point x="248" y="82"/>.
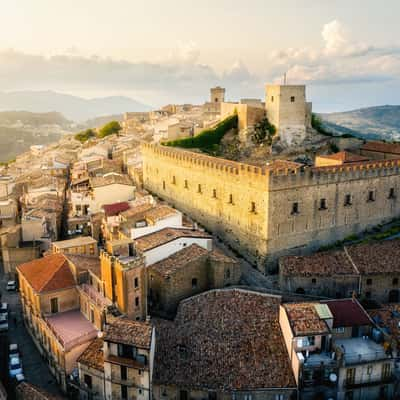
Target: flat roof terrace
<point x="71" y="328"/>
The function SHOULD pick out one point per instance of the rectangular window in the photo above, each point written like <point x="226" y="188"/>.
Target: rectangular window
<point x="339" y="329"/>
<point x="124" y="373"/>
<point x="295" y="208"/>
<point x="198" y="188"/>
<point x="88" y="380"/>
<point x="272" y="99"/>
<point x="369" y="281"/>
<point x="292" y="99"/>
<point x="311" y="340"/>
<point x="54" y="305"/>
<point x="322" y="204"/>
<point x="91" y="316"/>
<point x="126" y="351"/>
<point x="350" y="375"/>
<point x="371" y="196"/>
<point x="347" y="200"/>
<point x="194" y="283"/>
<point x="124" y="392"/>
<point x="386" y="371"/>
<point x="186" y="184"/>
<point x="253" y="208"/>
<point x="136" y="302"/>
<point x="369" y="370"/>
<point x="136" y="282"/>
<point x="174" y="180"/>
<point x="391" y="193"/>
<point x="214" y="194"/>
<point x="230" y="199"/>
<point x="163" y="185"/>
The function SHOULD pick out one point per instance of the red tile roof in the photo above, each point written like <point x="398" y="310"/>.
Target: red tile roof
<point x="116" y="208"/>
<point x="381" y="147"/>
<point x="48" y="273"/>
<point x="345" y="157"/>
<point x="223" y="340"/>
<point x="348" y="312"/>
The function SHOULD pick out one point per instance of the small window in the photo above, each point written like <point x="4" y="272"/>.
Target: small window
<point x="322" y="204"/>
<point x="272" y="99"/>
<point x="124" y="373"/>
<point x="391" y="193"/>
<point x="54" y="305"/>
<point x="395" y="281"/>
<point x="198" y="188"/>
<point x="313" y="281"/>
<point x="292" y="99"/>
<point x="347" y="200"/>
<point x="136" y="282"/>
<point x="163" y="185"/>
<point x="124" y="392"/>
<point x="253" y="207"/>
<point x="369" y="370"/>
<point x="227" y="273"/>
<point x="92" y="315"/>
<point x="194" y="283"/>
<point x="214" y="193"/>
<point x="186" y="184"/>
<point x="230" y="199"/>
<point x="371" y="196"/>
<point x="140" y="391"/>
<point x="369" y="281"/>
<point x="137" y="301"/>
<point x="174" y="180"/>
<point x="88" y="380"/>
<point x="295" y="208"/>
<point x="311" y="340"/>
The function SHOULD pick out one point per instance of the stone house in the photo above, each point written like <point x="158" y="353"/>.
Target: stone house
<point x="335" y="352"/>
<point x="79" y="245"/>
<point x="370" y="270"/>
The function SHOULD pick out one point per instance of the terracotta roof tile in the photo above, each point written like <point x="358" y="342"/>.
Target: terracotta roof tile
<point x="166" y="235"/>
<point x="129" y="332"/>
<point x="48" y="273"/>
<point x="116" y="208"/>
<point x="381" y="147"/>
<point x="168" y="266"/>
<point x="345" y="157"/>
<point x="347" y="312"/>
<point x="305" y="320"/>
<point x="223" y="340"/>
<point x="93" y="356"/>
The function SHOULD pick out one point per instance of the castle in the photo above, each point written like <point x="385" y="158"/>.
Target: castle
<point x="283" y="207"/>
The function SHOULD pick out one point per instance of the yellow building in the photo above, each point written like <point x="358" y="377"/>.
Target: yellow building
<point x="79" y="245"/>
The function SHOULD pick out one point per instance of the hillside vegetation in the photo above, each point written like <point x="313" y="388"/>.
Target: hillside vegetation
<point x="208" y="139"/>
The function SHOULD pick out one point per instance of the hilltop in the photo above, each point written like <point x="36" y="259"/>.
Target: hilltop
<point x="380" y="122"/>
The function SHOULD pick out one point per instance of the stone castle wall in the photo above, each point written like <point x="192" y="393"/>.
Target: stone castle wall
<point x="252" y="208"/>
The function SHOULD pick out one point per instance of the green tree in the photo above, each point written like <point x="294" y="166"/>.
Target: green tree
<point x="111" y="128"/>
<point x="85" y="135"/>
<point x="263" y="132"/>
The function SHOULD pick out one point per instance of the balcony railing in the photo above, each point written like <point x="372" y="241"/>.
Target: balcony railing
<point x="95" y="296"/>
<point x="356" y="383"/>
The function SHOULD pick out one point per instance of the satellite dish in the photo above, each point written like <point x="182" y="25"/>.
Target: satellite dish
<point x="333" y="377"/>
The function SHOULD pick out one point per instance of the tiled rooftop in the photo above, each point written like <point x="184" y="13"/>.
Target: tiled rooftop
<point x="382" y="147"/>
<point x="110" y="179"/>
<point x="388" y="319"/>
<point x="305" y="320"/>
<point x="28" y="391"/>
<point x="223" y="340"/>
<point x="92" y="357"/>
<point x="78" y="241"/>
<point x="115" y="208"/>
<point x="168" y="266"/>
<point x="49" y="273"/>
<point x="376" y="258"/>
<point x="71" y="328"/>
<point x="348" y="312"/>
<point x="319" y="264"/>
<point x="369" y="258"/>
<point x="84" y="263"/>
<point x="129" y="332"/>
<point x="152" y="240"/>
<point x="137" y="211"/>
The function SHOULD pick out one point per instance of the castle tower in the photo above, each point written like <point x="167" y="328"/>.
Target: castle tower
<point x="288" y="110"/>
<point x="217" y="95"/>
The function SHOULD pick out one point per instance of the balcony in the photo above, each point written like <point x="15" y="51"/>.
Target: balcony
<point x="359" y="351"/>
<point x="366" y="382"/>
<point x="94" y="296"/>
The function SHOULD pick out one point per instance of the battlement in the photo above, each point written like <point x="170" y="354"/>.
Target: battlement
<point x="329" y="174"/>
<point x="213" y="163"/>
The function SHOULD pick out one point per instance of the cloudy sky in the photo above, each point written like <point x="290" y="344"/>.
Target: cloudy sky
<point x="160" y="51"/>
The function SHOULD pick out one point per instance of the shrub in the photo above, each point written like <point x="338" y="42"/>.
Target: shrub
<point x="109" y="129"/>
<point x="208" y="138"/>
<point x="85" y="135"/>
<point x="316" y="123"/>
<point x="263" y="131"/>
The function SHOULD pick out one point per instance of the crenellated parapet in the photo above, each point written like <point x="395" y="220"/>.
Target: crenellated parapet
<point x="309" y="176"/>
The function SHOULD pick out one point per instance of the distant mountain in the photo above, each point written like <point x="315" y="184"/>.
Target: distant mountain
<point x="18" y="118"/>
<point x="100" y="121"/>
<point x="72" y="107"/>
<point x="381" y="122"/>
